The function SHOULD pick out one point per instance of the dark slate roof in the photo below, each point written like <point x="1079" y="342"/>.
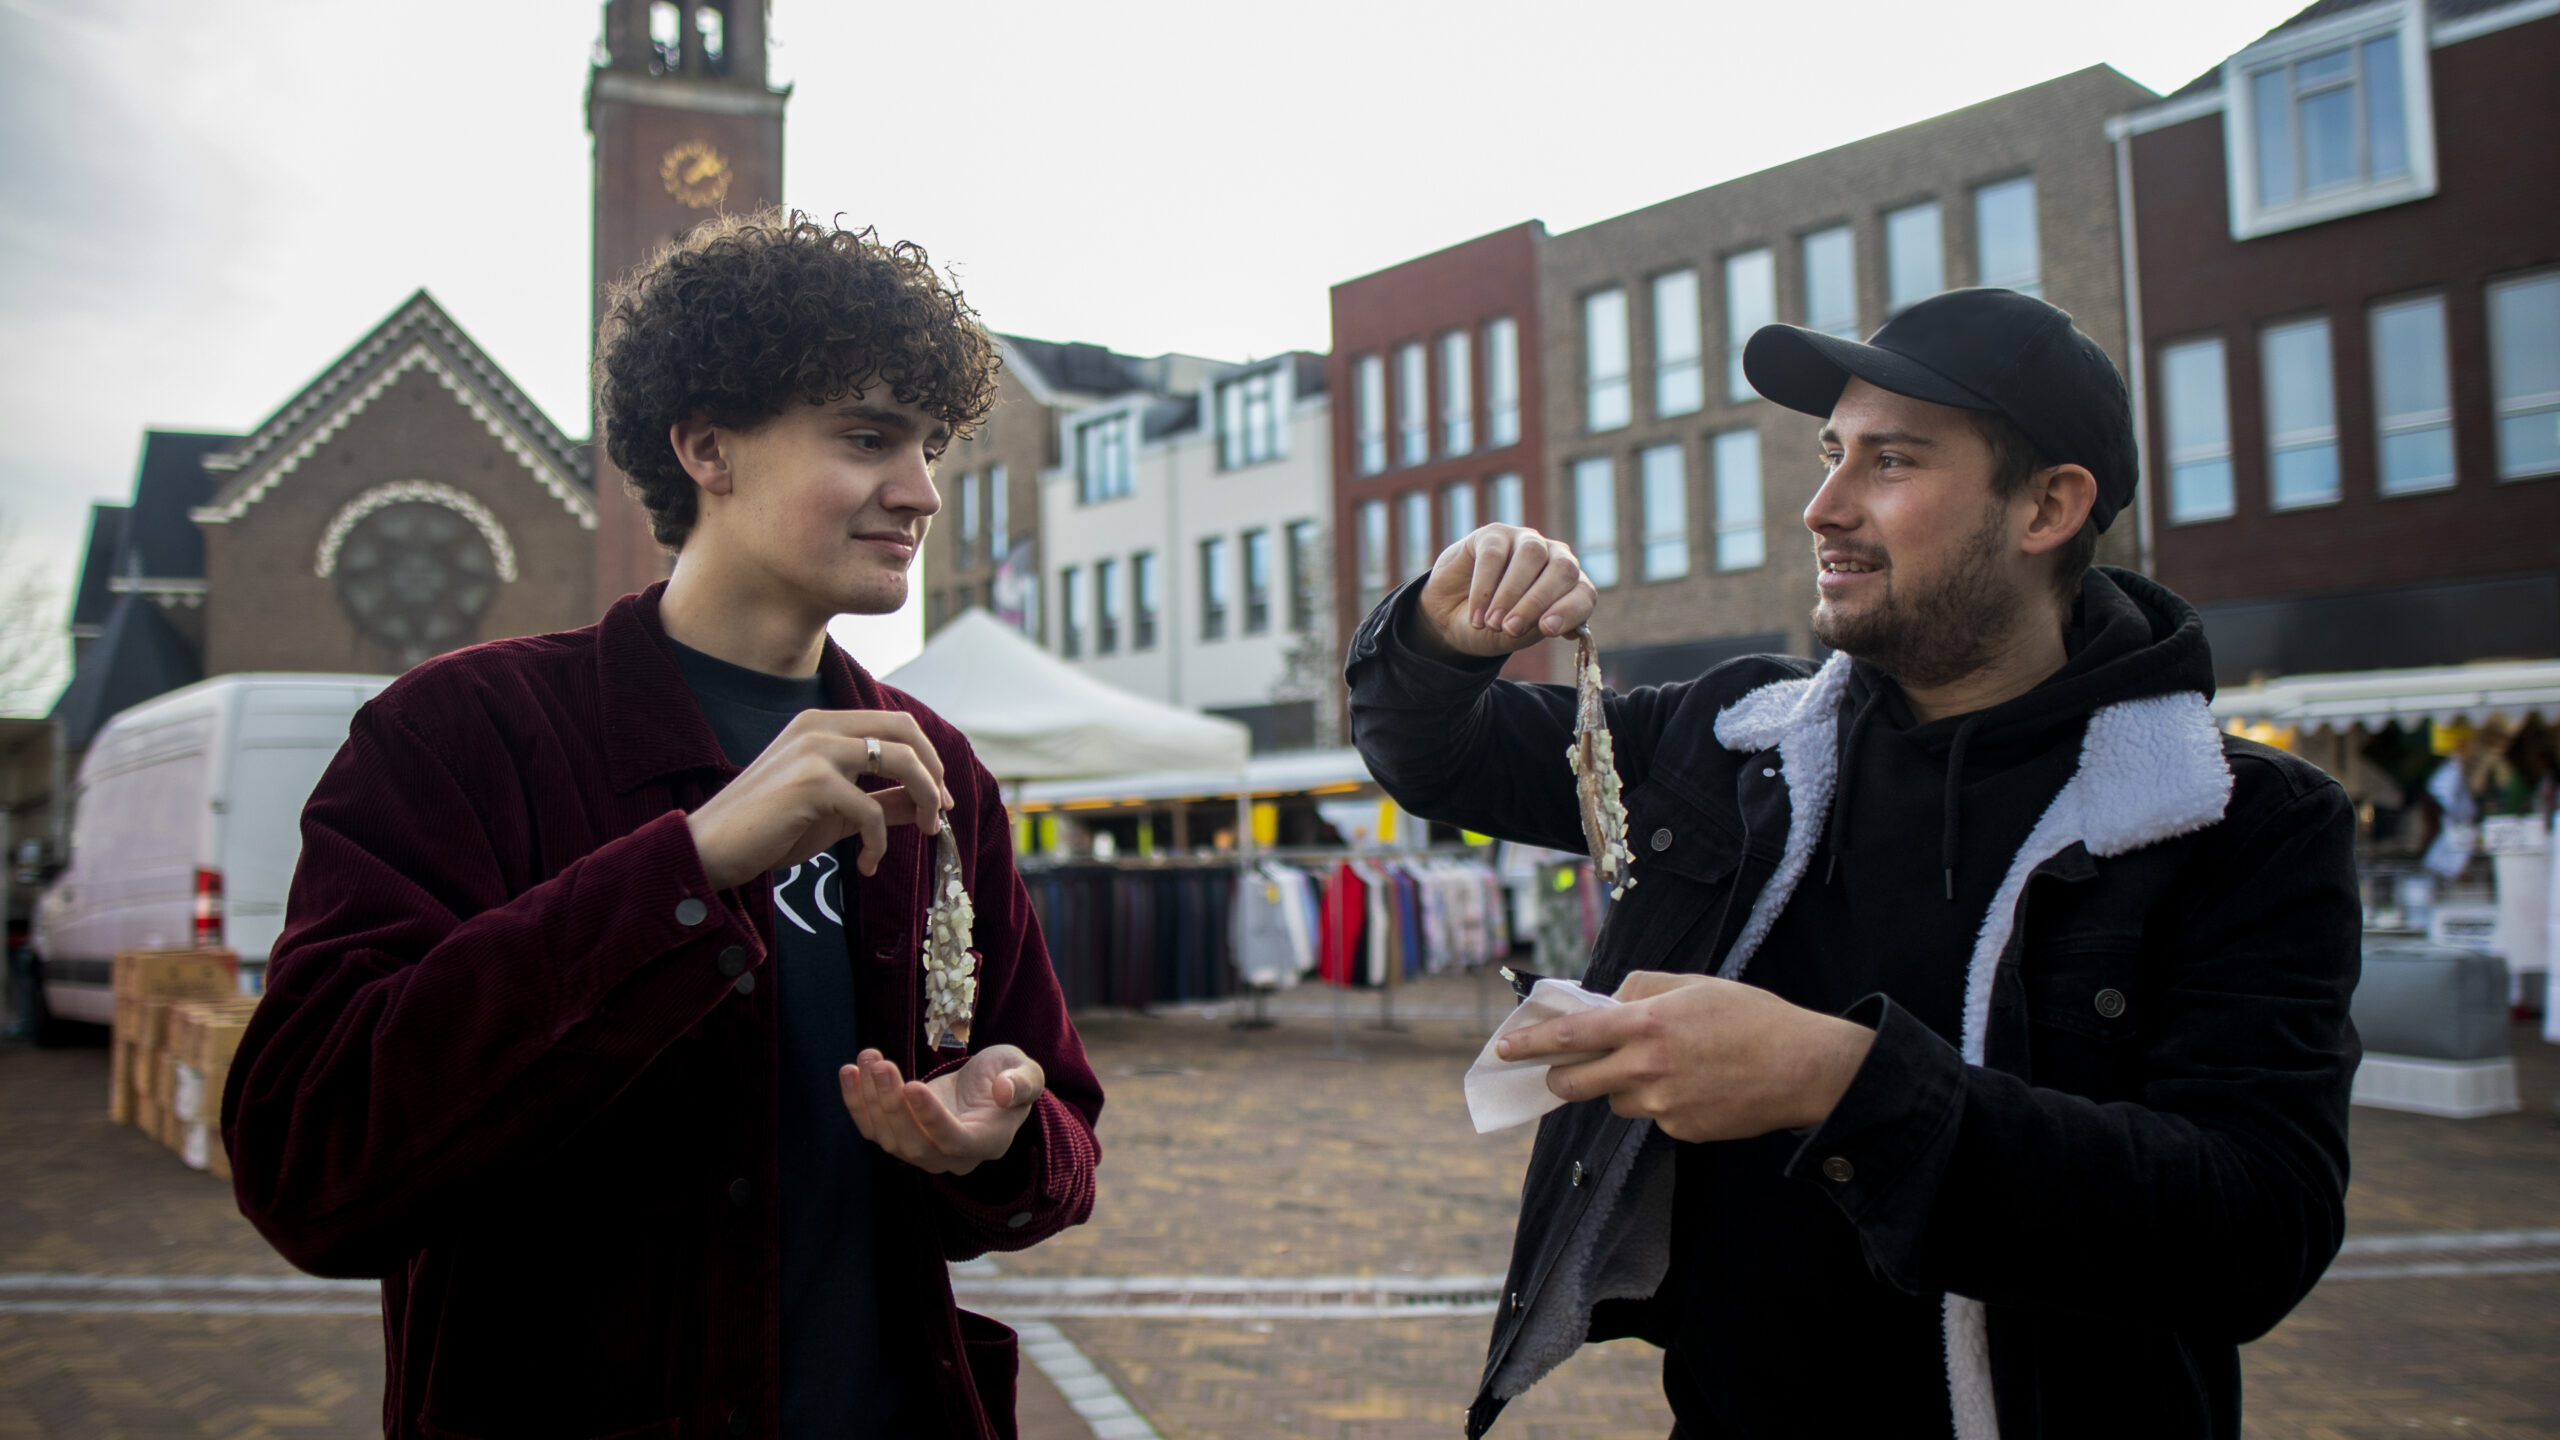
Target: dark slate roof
<point x="160" y="541"/>
<point x="140" y="655"/>
<point x="91" y="600"/>
<point x="1169" y="416"/>
<point x="1074" y="365"/>
<point x="2438" y="11"/>
<point x="1310" y="377"/>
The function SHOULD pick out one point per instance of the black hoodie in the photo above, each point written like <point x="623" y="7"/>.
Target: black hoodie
<point x="1925" y="821"/>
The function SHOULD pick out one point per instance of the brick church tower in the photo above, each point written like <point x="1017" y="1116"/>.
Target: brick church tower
<point x="685" y="128"/>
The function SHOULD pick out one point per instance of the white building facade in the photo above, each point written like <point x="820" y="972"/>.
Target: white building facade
<point x="1184" y="550"/>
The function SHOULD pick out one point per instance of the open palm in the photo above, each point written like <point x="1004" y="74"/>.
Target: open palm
<point x="948" y="1125"/>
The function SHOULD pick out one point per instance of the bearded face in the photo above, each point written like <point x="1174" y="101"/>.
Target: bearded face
<point x="1925" y="626"/>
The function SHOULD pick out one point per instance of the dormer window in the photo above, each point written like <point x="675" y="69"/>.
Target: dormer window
<point x="2329" y="119"/>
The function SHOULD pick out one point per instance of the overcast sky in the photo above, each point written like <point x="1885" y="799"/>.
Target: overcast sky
<point x="202" y="202"/>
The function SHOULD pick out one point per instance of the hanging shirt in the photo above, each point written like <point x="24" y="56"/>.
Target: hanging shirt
<point x="833" y="1383"/>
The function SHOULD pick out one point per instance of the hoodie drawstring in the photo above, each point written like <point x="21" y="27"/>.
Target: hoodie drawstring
<point x="1955" y="800"/>
<point x="1838" y="835"/>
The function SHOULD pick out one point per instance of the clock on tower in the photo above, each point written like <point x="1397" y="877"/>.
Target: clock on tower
<point x="685" y="128"/>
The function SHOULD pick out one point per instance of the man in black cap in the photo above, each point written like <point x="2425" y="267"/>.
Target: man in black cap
<point x="1984" y="1059"/>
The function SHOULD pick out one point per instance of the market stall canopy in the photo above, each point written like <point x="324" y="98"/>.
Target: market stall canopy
<point x="1031" y="716"/>
<point x="1299" y="772"/>
<point x="2512" y="690"/>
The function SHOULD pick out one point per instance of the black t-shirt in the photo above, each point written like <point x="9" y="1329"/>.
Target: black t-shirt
<point x="833" y="1382"/>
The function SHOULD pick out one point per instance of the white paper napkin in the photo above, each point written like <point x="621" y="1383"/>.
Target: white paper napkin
<point x="1503" y="1093"/>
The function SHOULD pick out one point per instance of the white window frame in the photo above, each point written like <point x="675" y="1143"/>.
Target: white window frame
<point x="1757" y="269"/>
<point x="2180" y="457"/>
<point x="1413" y="403"/>
<point x="1369" y="413"/>
<point x="1106" y="607"/>
<point x="1252" y="410"/>
<point x="1457" y="393"/>
<point x="1303" y="536"/>
<point x="2506" y="406"/>
<point x="1458" y="514"/>
<point x="999" y="512"/>
<point x="2314" y="437"/>
<point x="1501" y="382"/>
<point x="1414" y="551"/>
<point x="1071" y="612"/>
<point x="1843" y="326"/>
<point x="1662" y="490"/>
<point x="2249" y="219"/>
<point x="2387" y="427"/>
<point x="968" y="536"/>
<point x="1679" y="342"/>
<point x="1114" y="475"/>
<point x="1595" y="509"/>
<point x="1214" y="607"/>
<point x="1922" y="218"/>
<point x="2025" y="282"/>
<point x="1371" y="543"/>
<point x="1742" y="521"/>
<point x="1146" y="599"/>
<point x="1608" y="393"/>
<point x="1253" y="556"/>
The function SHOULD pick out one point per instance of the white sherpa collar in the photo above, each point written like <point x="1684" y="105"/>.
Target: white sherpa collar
<point x="2150" y="770"/>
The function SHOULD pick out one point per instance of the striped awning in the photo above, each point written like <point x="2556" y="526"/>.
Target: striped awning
<point x="2512" y="691"/>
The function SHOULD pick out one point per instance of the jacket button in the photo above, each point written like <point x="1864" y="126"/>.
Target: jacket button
<point x="740" y="1192"/>
<point x="1017" y="1219"/>
<point x="733" y="960"/>
<point x="1515" y="1302"/>
<point x="1577" y="1174"/>
<point x="1662" y="839"/>
<point x="1768" y="773"/>
<point x="1838" y="1170"/>
<point x="2110" y="1003"/>
<point x="745" y="984"/>
<point x="691" y="912"/>
<point x="737" y="1419"/>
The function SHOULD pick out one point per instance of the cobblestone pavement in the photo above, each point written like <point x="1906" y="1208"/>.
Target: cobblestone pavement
<point x="1246" y="1153"/>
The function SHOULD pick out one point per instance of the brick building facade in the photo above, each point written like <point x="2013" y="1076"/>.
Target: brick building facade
<point x="685" y="128"/>
<point x="1438" y="424"/>
<point x="1680" y="489"/>
<point x="2349" y="313"/>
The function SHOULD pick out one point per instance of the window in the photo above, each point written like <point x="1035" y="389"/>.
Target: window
<point x="1458" y="510"/>
<point x="1305" y="564"/>
<point x="1831" y="283"/>
<point x="1915" y="259"/>
<point x="1071" y="612"/>
<point x="2412" y="397"/>
<point x="2006" y="252"/>
<point x="1665" y="483"/>
<point x="1606" y="401"/>
<point x="1369" y="411"/>
<point x="1750" y="301"/>
<point x="2195" y="420"/>
<point x="1106" y="607"/>
<point x="1508" y="503"/>
<point x="1742" y="539"/>
<point x="1146" y="588"/>
<point x="1213" y="588"/>
<point x="1257" y="581"/>
<point x="968" y="537"/>
<point x="1502" y="382"/>
<point x="1249" y="428"/>
<point x="1102" y="459"/>
<point x="1679" y="380"/>
<point x="1457" y="394"/>
<point x="2329" y="119"/>
<point x="1372" y="558"/>
<point x="999" y="511"/>
<point x="2302" y="414"/>
<point x="2524" y="372"/>
<point x="1413" y="405"/>
<point x="1417" y="535"/>
<point x="1595" y="519"/>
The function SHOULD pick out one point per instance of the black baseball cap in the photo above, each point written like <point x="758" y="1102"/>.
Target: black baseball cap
<point x="1980" y="349"/>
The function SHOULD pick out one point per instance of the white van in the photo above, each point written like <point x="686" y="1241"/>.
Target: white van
<point x="186" y="828"/>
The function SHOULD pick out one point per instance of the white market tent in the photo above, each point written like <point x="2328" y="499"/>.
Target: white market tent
<point x="2509" y="690"/>
<point x="1031" y="716"/>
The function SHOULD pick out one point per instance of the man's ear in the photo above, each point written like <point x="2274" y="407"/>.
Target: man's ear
<point x="700" y="449"/>
<point x="2062" y="496"/>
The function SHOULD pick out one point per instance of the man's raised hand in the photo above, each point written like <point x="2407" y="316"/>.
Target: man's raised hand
<point x="804" y="793"/>
<point x="1505" y="588"/>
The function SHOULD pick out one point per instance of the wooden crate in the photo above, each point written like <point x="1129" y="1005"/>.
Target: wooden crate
<point x="146" y="984"/>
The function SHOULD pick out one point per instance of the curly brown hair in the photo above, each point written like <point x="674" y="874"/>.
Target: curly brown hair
<point x="749" y="313"/>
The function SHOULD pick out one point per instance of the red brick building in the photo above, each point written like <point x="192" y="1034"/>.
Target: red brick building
<point x="2347" y="321"/>
<point x="1437" y="410"/>
<point x="685" y="128"/>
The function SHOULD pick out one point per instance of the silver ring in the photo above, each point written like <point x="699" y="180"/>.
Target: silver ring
<point x="871" y="750"/>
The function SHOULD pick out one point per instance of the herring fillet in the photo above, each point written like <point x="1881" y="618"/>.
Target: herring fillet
<point x="1595" y="769"/>
<point x="950" y="967"/>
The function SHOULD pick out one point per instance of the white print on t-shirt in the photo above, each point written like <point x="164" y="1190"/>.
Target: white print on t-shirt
<point x="820" y="874"/>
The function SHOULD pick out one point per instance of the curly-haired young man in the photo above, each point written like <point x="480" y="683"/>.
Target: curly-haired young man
<point x="595" y="1030"/>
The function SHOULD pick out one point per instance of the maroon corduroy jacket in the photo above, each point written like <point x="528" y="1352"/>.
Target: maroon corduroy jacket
<point x="497" y="1068"/>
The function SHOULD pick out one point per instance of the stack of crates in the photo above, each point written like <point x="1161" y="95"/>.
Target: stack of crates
<point x="150" y="986"/>
<point x="203" y="1036"/>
